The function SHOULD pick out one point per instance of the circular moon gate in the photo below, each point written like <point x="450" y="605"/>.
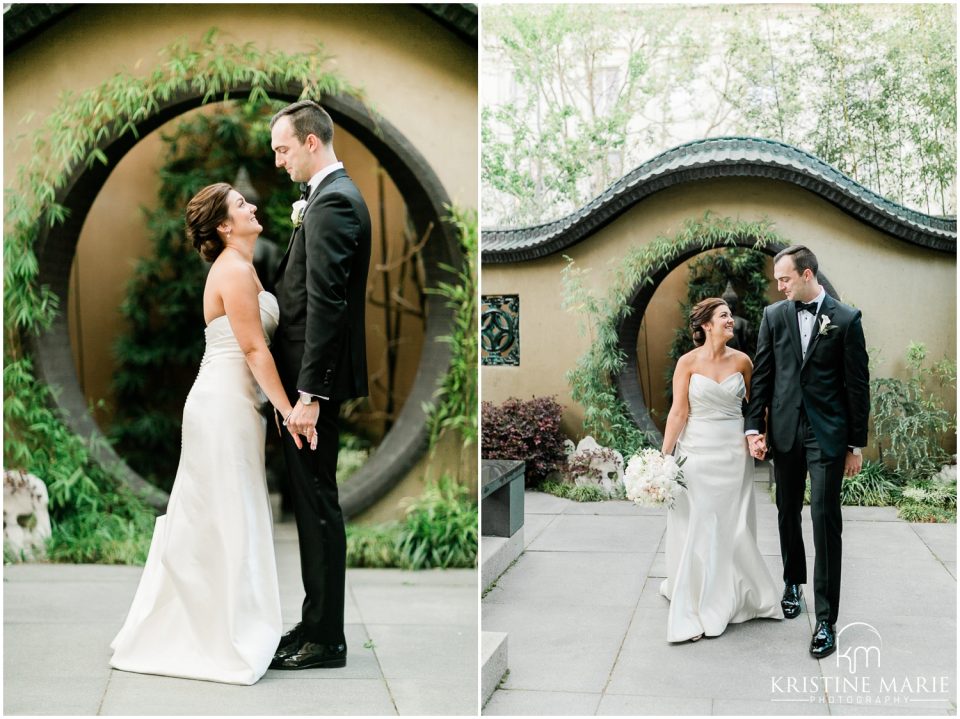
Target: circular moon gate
<point x="425" y="198"/>
<point x="627" y="381"/>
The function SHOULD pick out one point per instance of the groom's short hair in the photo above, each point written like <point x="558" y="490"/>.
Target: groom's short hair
<point x="803" y="258"/>
<point x="307" y="118"/>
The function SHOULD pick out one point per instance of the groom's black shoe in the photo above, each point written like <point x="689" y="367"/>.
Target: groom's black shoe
<point x="824" y="640"/>
<point x="289" y="644"/>
<point x="790" y="604"/>
<point x="310" y="655"/>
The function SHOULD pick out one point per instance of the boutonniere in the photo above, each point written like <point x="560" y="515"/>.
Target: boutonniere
<point x="825" y="325"/>
<point x="297" y="215"/>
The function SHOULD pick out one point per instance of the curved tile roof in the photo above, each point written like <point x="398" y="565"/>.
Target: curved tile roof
<point x="721" y="157"/>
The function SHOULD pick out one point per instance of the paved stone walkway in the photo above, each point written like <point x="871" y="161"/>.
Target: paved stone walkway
<point x="587" y="626"/>
<point x="412" y="640"/>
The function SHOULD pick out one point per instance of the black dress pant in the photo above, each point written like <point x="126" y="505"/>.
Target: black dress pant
<point x="320" y="528"/>
<point x="826" y="477"/>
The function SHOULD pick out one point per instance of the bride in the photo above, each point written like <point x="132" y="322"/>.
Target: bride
<point x="715" y="573"/>
<point x="208" y="602"/>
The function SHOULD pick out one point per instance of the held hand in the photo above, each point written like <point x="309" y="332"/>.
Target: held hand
<point x="852" y="464"/>
<point x="277" y="414"/>
<point x="303" y="421"/>
<point x="757" y="445"/>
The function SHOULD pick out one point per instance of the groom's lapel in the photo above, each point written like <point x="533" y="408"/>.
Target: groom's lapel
<point x="790" y="317"/>
<point x="826" y="308"/>
<point x="339" y="172"/>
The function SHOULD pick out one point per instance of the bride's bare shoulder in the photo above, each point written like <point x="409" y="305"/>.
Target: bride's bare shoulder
<point x="741" y="360"/>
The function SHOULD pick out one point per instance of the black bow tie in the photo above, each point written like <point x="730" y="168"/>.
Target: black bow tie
<point x="304" y="190"/>
<point x="810" y="307"/>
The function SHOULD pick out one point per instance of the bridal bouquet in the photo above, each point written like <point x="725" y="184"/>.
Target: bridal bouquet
<point x="653" y="479"/>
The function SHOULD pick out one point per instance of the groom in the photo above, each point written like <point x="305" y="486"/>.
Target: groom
<point x="320" y="351"/>
<point x="810" y="371"/>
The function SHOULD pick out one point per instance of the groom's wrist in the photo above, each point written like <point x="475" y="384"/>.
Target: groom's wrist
<point x="857" y="451"/>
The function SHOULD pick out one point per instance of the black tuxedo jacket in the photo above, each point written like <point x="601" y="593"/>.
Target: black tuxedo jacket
<point x="320" y="343"/>
<point x="832" y="383"/>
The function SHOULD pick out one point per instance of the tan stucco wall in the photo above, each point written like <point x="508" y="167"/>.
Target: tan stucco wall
<point x="417" y="75"/>
<point x="905" y="292"/>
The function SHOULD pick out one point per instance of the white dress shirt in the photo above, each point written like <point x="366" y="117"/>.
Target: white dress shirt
<point x="805" y="320"/>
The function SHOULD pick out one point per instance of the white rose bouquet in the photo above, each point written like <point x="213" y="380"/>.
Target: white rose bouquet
<point x="653" y="479"/>
<point x="297" y="215"/>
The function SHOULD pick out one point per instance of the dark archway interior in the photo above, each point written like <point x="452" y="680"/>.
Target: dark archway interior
<point x="426" y="199"/>
<point x="627" y="381"/>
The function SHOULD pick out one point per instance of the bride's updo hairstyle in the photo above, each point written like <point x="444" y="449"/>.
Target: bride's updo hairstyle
<point x="205" y="212"/>
<point x="700" y="315"/>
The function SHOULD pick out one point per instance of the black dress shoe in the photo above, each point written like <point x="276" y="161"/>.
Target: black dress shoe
<point x="790" y="604"/>
<point x="289" y="643"/>
<point x="824" y="641"/>
<point x="311" y="655"/>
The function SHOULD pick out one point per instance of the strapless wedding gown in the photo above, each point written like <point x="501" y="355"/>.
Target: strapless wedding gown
<point x="208" y="602"/>
<point x="715" y="573"/>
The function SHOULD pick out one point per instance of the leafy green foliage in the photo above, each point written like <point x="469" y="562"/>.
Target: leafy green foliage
<point x="94" y="517"/>
<point x="592" y="380"/>
<point x="581" y="493"/>
<point x="440" y="531"/>
<point x="910" y="422"/>
<point x="597" y="89"/>
<point x="925" y="501"/>
<point x="873" y="486"/>
<point x="457" y="395"/>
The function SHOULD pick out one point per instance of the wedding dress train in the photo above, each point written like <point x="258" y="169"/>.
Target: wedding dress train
<point x="208" y="602"/>
<point x="715" y="573"/>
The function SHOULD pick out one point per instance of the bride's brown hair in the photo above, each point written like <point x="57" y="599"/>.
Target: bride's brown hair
<point x="700" y="315"/>
<point x="204" y="213"/>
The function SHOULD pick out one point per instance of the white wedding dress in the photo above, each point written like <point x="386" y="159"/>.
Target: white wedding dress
<point x="715" y="573"/>
<point x="208" y="603"/>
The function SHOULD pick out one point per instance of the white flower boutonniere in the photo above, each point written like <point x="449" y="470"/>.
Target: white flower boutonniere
<point x="825" y="325"/>
<point x="297" y="215"/>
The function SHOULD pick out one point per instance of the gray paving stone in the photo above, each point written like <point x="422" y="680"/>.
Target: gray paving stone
<point x="533" y="526"/>
<point x="427" y="652"/>
<point x="435" y="696"/>
<point x="884" y="586"/>
<point x="48" y="573"/>
<point x="543" y="503"/>
<point x="136" y="694"/>
<point x="38" y="653"/>
<point x="759" y="707"/>
<point x="89" y="602"/>
<point x="895" y="541"/>
<point x="625" y="705"/>
<point x="573" y="533"/>
<point x="519" y="702"/>
<point x="898" y="576"/>
<point x="558" y="648"/>
<point x="648" y="665"/>
<point x="51" y="696"/>
<point x="604" y="579"/>
<point x="940" y="538"/>
<point x="619" y="507"/>
<point x="415" y="603"/>
<point x="870" y="514"/>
